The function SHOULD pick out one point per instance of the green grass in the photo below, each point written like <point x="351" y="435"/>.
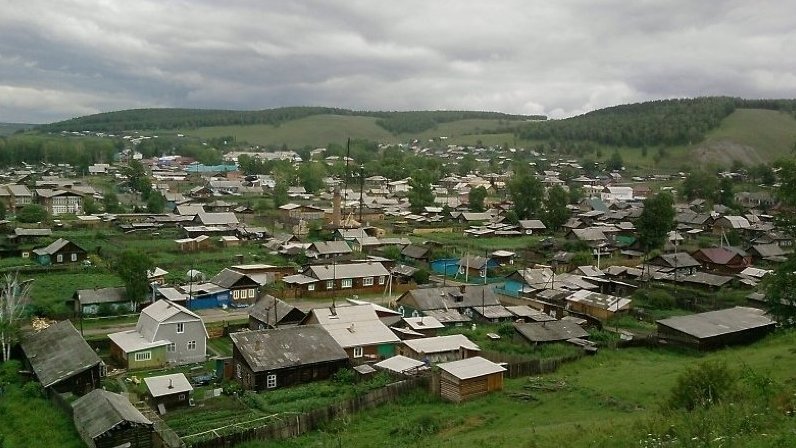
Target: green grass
<point x="611" y="399"/>
<point x="223" y="346"/>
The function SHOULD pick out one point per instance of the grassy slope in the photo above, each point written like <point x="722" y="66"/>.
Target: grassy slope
<point x="609" y="400"/>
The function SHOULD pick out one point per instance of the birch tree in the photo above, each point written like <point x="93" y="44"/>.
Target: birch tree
<point x="14" y="298"/>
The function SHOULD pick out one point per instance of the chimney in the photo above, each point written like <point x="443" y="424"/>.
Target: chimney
<point x="462" y="288"/>
<point x="336" y="209"/>
<point x="171" y="383"/>
<point x="351" y="328"/>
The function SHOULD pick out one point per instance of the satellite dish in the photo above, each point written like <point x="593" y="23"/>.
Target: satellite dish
<point x="194" y="275"/>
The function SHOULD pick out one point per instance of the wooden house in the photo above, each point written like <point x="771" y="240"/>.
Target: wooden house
<point x="445" y="303"/>
<point x="89" y="302"/>
<point x="286" y="356"/>
<point x="59" y="252"/>
<point x="597" y="305"/>
<point x="60" y="202"/>
<point x="469" y="378"/>
<point x="680" y="262"/>
<point x="295" y="212"/>
<point x="437" y="349"/>
<point x="270" y="312"/>
<point x="328" y="249"/>
<point x="722" y="259"/>
<point x="358" y="330"/>
<point x="715" y="329"/>
<point x="167" y="392"/>
<point x="332" y="279"/>
<point x="108" y="420"/>
<point x="62" y="360"/>
<point x="243" y="287"/>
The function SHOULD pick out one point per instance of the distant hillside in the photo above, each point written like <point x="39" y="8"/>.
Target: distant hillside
<point x="10" y="128"/>
<point x="156" y="119"/>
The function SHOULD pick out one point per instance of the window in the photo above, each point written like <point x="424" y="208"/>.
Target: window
<point x="329" y="284"/>
<point x="359" y="352"/>
<point x="251" y="293"/>
<point x="235" y="294"/>
<point x="171" y="347"/>
<point x="59" y="258"/>
<point x="74" y="257"/>
<point x="381" y="279"/>
<point x="181" y="397"/>
<point x="270" y="381"/>
<point x="238" y="371"/>
<point x="346" y="283"/>
<point x="367" y="281"/>
<point x="311" y="287"/>
<point x="143" y="356"/>
<point x="191" y="345"/>
<point x="180" y="327"/>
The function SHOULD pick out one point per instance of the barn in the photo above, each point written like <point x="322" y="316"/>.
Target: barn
<point x="469" y="378"/>
<point x="716" y="329"/>
<point x="104" y="420"/>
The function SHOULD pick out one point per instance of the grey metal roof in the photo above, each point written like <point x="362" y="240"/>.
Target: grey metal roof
<point x="415" y="251"/>
<point x="423" y="323"/>
<point x="440" y="344"/>
<point x="99" y="411"/>
<point x="227" y="278"/>
<point x="493" y="312"/>
<point x="162" y="310"/>
<point x="101" y="295"/>
<point x="287" y="347"/>
<point x="353" y="326"/>
<point x="400" y="364"/>
<point x="678" y="260"/>
<point x="352" y="270"/>
<point x="20" y="231"/>
<point x="269" y="309"/>
<point x="452" y="316"/>
<point x="555" y="330"/>
<point x="331" y="247"/>
<point x="58" y="352"/>
<point x="531" y="313"/>
<point x="716" y="323"/>
<point x="452" y="297"/>
<point x="471" y="367"/>
<point x="163" y="385"/>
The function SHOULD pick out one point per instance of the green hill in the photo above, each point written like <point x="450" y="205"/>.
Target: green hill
<point x="10" y="128"/>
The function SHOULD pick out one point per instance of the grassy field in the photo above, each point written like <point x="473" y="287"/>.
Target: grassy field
<point x="611" y="399"/>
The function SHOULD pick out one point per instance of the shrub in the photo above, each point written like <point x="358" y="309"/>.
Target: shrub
<point x="231" y="388"/>
<point x="421" y="276"/>
<point x="660" y="300"/>
<point x="703" y="385"/>
<point x="344" y="376"/>
<point x="506" y="331"/>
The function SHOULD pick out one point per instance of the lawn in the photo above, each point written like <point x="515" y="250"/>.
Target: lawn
<point x="611" y="399"/>
<point x="222" y="346"/>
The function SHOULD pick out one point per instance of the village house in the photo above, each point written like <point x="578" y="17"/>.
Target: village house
<point x="437" y="349"/>
<point x="286" y="356"/>
<point x="597" y="305"/>
<point x="680" y="263"/>
<point x="330" y="279"/>
<point x="60" y="202"/>
<point x="88" y="302"/>
<point x="60" y="251"/>
<point x="15" y="196"/>
<point x="358" y="330"/>
<point x="445" y="303"/>
<point x="549" y="331"/>
<point x="328" y="249"/>
<point x="295" y="213"/>
<point x="166" y="333"/>
<point x="62" y="360"/>
<point x="108" y="420"/>
<point x="722" y="259"/>
<point x="425" y="325"/>
<point x="204" y="295"/>
<point x="715" y="329"/>
<point x="244" y="288"/>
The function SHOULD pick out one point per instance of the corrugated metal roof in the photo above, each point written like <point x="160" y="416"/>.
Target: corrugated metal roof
<point x="400" y="364"/>
<point x="715" y="323"/>
<point x="471" y="367"/>
<point x="58" y="352"/>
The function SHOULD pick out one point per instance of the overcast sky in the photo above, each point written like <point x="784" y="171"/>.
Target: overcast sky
<point x="65" y="58"/>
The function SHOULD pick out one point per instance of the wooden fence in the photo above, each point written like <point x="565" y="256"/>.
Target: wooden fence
<point x="518" y="367"/>
<point x="290" y="425"/>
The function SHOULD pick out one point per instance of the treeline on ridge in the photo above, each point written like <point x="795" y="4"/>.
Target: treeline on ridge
<point x="153" y="119"/>
<point x="79" y="152"/>
<point x="662" y="122"/>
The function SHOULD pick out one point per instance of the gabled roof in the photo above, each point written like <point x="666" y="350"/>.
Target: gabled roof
<point x="717" y="255"/>
<point x="287" y="347"/>
<point x="452" y="297"/>
<point x="678" y="260"/>
<point x="227" y="278"/>
<point x="716" y="323"/>
<point x="440" y="344"/>
<point x="58" y="352"/>
<point x="101" y="295"/>
<point x="270" y="310"/>
<point x="423" y="323"/>
<point x="54" y="247"/>
<point x="162" y="310"/>
<point x="330" y="247"/>
<point x="598" y="300"/>
<point x="99" y="411"/>
<point x="351" y="270"/>
<point x="355" y="325"/>
<point x="550" y="331"/>
<point x="400" y="364"/>
<point x="214" y="219"/>
<point x="532" y="224"/>
<point x="471" y="368"/>
<point x="19" y="231"/>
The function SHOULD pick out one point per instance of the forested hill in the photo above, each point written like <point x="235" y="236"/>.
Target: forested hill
<point x="663" y="122"/>
<point x="151" y="119"/>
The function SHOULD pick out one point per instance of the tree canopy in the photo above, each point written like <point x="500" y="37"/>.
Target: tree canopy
<point x="655" y="221"/>
<point x="476" y="198"/>
<point x="526" y="191"/>
<point x="132" y="268"/>
<point x="556" y="212"/>
<point x="420" y="195"/>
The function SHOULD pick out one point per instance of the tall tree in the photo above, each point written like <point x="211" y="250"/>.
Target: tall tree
<point x="421" y="195"/>
<point x="110" y="201"/>
<point x="310" y="176"/>
<point x="132" y="267"/>
<point x="155" y="203"/>
<point x="14" y="298"/>
<point x="700" y="184"/>
<point x="526" y="191"/>
<point x="32" y="213"/>
<point x="655" y="221"/>
<point x="476" y="198"/>
<point x="280" y="193"/>
<point x="556" y="212"/>
<point x="615" y="162"/>
<point x="780" y="286"/>
<point x="725" y="195"/>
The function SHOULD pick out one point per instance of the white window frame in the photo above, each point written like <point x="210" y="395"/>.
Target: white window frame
<point x="74" y="257"/>
<point x="180" y="327"/>
<point x="329" y="284"/>
<point x="381" y="280"/>
<point x="270" y="381"/>
<point x="311" y="287"/>
<point x="367" y="281"/>
<point x="359" y="352"/>
<point x="171" y="347"/>
<point x="59" y="258"/>
<point x="346" y="283"/>
<point x="251" y="293"/>
<point x="191" y="345"/>
<point x="143" y="356"/>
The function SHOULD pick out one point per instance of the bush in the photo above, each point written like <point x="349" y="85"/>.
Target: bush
<point x="657" y="299"/>
<point x="231" y="388"/>
<point x="703" y="385"/>
<point x="421" y="276"/>
<point x="344" y="376"/>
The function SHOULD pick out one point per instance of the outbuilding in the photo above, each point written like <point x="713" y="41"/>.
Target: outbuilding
<point x="168" y="391"/>
<point x="716" y="329"/>
<point x="469" y="378"/>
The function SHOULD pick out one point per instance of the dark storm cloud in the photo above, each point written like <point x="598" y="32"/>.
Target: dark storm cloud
<point x="70" y="58"/>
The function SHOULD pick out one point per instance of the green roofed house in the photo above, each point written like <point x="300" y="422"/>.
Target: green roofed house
<point x="105" y="420"/>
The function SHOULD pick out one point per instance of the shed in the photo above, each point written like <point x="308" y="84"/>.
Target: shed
<point x="401" y="365"/>
<point x="105" y="420"/>
<point x="715" y="329"/>
<point x="552" y="331"/>
<point x="469" y="378"/>
<point x="169" y="391"/>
